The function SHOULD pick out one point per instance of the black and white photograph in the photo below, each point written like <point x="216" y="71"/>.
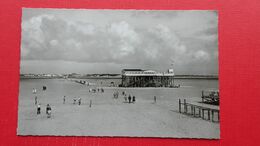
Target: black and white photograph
<point x="119" y="73"/>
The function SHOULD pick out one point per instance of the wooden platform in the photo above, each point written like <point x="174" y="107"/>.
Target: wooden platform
<point x="206" y="112"/>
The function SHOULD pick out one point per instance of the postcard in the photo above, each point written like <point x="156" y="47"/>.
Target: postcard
<point x="125" y="73"/>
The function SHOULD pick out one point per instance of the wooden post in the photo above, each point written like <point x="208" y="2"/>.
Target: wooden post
<point x="199" y="112"/>
<point x="212" y="113"/>
<point x="180" y="105"/>
<point x="202" y="113"/>
<point x="191" y="108"/>
<point x="202" y="95"/>
<point x="185" y="106"/>
<point x="208" y="114"/>
<point x="194" y="111"/>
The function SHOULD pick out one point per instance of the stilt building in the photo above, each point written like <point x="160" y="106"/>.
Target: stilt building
<point x="147" y="78"/>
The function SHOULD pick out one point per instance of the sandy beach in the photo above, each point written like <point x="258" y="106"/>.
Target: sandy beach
<point x="108" y="116"/>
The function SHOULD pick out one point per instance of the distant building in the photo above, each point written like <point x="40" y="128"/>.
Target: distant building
<point x="74" y="75"/>
<point x="147" y="78"/>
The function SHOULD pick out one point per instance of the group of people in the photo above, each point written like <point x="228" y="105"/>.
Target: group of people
<point x="96" y="90"/>
<point x="48" y="110"/>
<point x="34" y="91"/>
<point x="116" y="94"/>
<point x="48" y="107"/>
<point x="77" y="99"/>
<point x="129" y="99"/>
<point x="74" y="100"/>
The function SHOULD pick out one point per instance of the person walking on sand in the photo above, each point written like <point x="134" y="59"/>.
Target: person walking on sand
<point x="34" y="91"/>
<point x="129" y="98"/>
<point x="133" y="99"/>
<point x="48" y="111"/>
<point x="74" y="100"/>
<point x="116" y="94"/>
<point x="38" y="109"/>
<point x="154" y="98"/>
<point x="64" y="99"/>
<point x="35" y="100"/>
<point x="125" y="98"/>
<point x="79" y="101"/>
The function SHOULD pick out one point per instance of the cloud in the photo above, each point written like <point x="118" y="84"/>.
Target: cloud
<point x="202" y="55"/>
<point x="50" y="37"/>
<point x="56" y="39"/>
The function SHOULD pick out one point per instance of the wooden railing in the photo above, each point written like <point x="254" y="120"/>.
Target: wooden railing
<point x="206" y="113"/>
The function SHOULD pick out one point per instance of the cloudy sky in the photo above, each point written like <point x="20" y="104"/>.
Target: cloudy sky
<point x="106" y="41"/>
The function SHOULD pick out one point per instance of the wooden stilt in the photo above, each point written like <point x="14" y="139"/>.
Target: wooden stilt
<point x="212" y="113"/>
<point x="208" y="114"/>
<point x="185" y="106"/>
<point x="194" y="111"/>
<point x="202" y="113"/>
<point x="180" y="105"/>
<point x="199" y="112"/>
<point x="202" y="96"/>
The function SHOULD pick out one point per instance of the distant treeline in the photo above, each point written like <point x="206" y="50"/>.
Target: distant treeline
<point x="196" y="76"/>
<point x="104" y="76"/>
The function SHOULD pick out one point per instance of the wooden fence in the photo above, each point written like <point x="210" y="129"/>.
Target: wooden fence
<point x="206" y="113"/>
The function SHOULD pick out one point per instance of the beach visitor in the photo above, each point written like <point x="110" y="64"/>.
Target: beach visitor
<point x="47" y="108"/>
<point x="154" y="98"/>
<point x="102" y="90"/>
<point x="90" y="103"/>
<point x="34" y="91"/>
<point x="74" y="100"/>
<point x="79" y="101"/>
<point x="129" y="98"/>
<point x="38" y="109"/>
<point x="116" y="94"/>
<point x="35" y="100"/>
<point x="64" y="99"/>
<point x="133" y="99"/>
<point x="125" y="98"/>
<point x="48" y="111"/>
